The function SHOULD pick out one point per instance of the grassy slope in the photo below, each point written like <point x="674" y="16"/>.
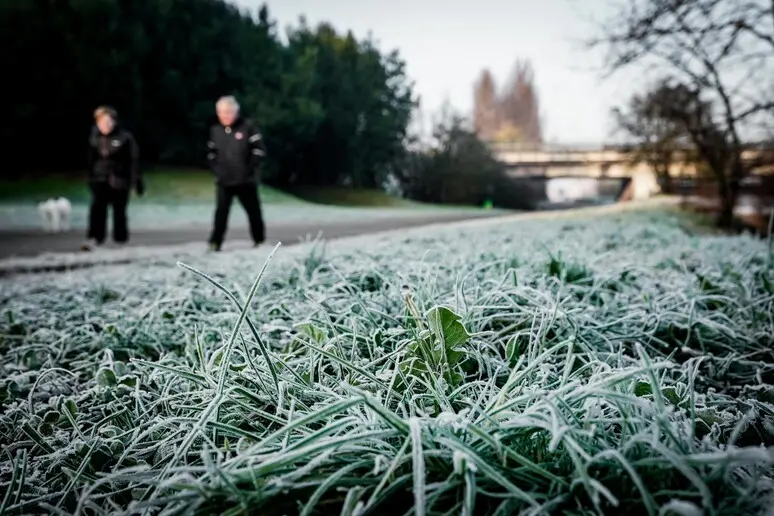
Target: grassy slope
<point x="181" y="185"/>
<point x="350" y="197"/>
<point x="367" y="198"/>
<point x="185" y="197"/>
<point x="610" y="364"/>
<point x="162" y="185"/>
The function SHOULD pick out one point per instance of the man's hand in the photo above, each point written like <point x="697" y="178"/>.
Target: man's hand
<point x="140" y="188"/>
<point x="257" y="147"/>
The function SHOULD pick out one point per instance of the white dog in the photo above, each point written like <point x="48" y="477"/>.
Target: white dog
<point x="55" y="214"/>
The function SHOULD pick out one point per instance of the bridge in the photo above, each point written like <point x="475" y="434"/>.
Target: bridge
<point x="558" y="161"/>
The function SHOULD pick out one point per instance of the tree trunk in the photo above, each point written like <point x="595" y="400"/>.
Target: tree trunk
<point x="660" y="167"/>
<point x="667" y="185"/>
<point x="729" y="194"/>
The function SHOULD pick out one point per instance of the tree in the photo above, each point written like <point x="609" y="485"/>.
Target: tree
<point x="454" y="167"/>
<point x="485" y="107"/>
<point x="334" y="109"/>
<point x="512" y="115"/>
<point x="684" y="106"/>
<point x="161" y="63"/>
<point x="520" y="105"/>
<point x="721" y="51"/>
<point x="366" y="101"/>
<point x="660" y="139"/>
<point x="457" y="167"/>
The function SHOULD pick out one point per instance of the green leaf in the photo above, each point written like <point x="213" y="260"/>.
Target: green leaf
<point x="643" y="389"/>
<point x="107" y="295"/>
<point x="30" y="360"/>
<point x="106" y="378"/>
<point x="708" y="416"/>
<point x="670" y="393"/>
<point x="129" y="380"/>
<point x="100" y="458"/>
<point x="14" y="389"/>
<point x="454" y="356"/>
<point x="117" y="448"/>
<point x="120" y="368"/>
<point x="579" y="275"/>
<point x="109" y="431"/>
<point x="70" y="406"/>
<point x="766" y="283"/>
<point x="456" y="378"/>
<point x="447" y="327"/>
<point x="449" y="332"/>
<point x="706" y="285"/>
<point x="310" y="330"/>
<point x="52" y="417"/>
<point x="555" y="268"/>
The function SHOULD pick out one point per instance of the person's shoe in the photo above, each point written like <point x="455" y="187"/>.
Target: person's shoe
<point x="89" y="245"/>
<point x="214" y="248"/>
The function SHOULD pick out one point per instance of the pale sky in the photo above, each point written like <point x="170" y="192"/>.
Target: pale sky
<point x="446" y="44"/>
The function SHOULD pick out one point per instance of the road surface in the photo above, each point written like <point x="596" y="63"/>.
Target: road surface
<point x="29" y="244"/>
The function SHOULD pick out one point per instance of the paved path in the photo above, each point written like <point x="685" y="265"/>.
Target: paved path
<point x="28" y="244"/>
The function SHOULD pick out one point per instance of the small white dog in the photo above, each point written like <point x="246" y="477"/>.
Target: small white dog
<point x="55" y="214"/>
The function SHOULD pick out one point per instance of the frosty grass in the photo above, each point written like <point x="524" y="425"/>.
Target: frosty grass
<point x="609" y="365"/>
<point x="143" y="216"/>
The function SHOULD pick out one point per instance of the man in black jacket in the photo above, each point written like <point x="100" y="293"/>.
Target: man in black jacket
<point x="235" y="149"/>
<point x="113" y="170"/>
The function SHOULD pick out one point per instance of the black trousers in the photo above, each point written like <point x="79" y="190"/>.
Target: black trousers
<point x="102" y="196"/>
<point x="248" y="198"/>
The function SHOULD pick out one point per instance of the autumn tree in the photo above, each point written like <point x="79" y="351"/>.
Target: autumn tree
<point x="485" y="107"/>
<point x="720" y="52"/>
<point x="511" y="115"/>
<point x="520" y="111"/>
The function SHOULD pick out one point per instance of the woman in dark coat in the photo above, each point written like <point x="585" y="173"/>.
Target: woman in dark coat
<point x="113" y="171"/>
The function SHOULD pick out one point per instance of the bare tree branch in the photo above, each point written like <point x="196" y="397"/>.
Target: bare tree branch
<point x="719" y="48"/>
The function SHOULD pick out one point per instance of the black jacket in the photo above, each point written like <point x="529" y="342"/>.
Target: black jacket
<point x="234" y="152"/>
<point x="114" y="159"/>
